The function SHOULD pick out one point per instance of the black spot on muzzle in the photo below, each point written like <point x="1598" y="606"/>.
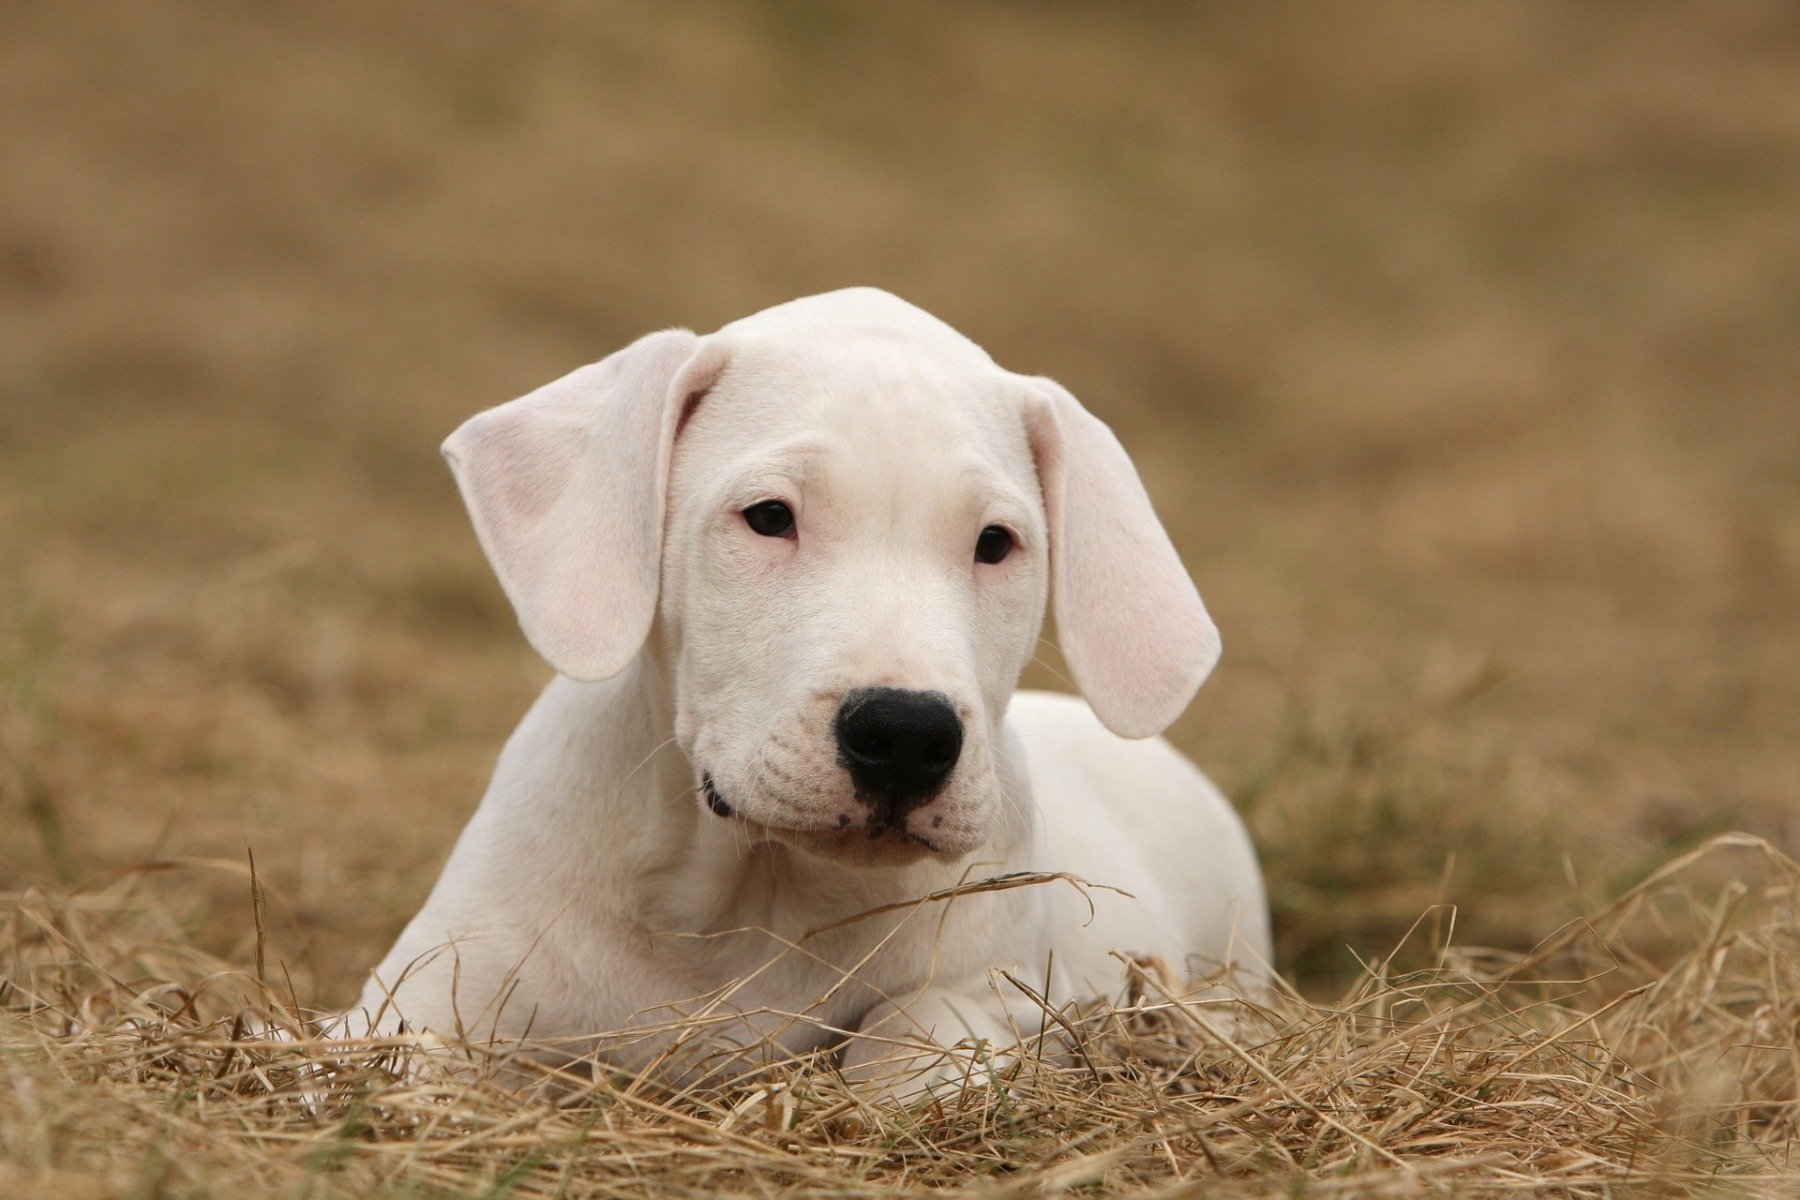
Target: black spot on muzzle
<point x="714" y="801"/>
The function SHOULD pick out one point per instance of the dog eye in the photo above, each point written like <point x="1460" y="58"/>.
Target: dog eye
<point x="771" y="518"/>
<point x="993" y="545"/>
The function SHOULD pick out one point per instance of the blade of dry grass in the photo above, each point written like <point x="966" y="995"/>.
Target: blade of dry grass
<point x="125" y="1055"/>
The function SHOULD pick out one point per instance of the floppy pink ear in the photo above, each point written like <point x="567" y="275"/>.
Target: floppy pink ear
<point x="566" y="487"/>
<point x="1132" y="627"/>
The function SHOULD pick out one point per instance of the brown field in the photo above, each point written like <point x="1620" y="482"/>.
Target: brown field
<point x="1459" y="345"/>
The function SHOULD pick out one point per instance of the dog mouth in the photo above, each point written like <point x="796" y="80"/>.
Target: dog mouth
<point x="876" y="835"/>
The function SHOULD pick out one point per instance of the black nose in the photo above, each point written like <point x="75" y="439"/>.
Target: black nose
<point x="898" y="745"/>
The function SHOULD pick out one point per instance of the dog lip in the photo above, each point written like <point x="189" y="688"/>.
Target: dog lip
<point x="884" y="827"/>
<point x="897" y="831"/>
<point x="714" y="801"/>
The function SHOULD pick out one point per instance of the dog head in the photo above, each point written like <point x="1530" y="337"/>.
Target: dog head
<point x="837" y="522"/>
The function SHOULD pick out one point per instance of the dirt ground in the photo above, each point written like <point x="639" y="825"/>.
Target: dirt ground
<point x="1458" y="344"/>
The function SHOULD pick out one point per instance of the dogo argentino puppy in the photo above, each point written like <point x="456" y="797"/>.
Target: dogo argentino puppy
<point x="788" y="575"/>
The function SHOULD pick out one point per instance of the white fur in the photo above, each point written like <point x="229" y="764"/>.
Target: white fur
<point x="594" y="894"/>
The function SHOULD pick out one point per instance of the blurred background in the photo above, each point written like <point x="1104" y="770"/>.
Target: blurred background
<point x="1458" y="344"/>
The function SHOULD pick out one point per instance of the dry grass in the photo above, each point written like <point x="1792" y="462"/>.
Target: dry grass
<point x="1458" y="344"/>
<point x="1649" y="1048"/>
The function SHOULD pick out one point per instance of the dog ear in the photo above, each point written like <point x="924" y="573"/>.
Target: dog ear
<point x="566" y="487"/>
<point x="1132" y="626"/>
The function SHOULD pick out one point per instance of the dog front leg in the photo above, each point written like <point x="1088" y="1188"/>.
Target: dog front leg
<point x="940" y="1039"/>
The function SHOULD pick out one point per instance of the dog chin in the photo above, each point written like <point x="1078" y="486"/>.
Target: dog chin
<point x="856" y="848"/>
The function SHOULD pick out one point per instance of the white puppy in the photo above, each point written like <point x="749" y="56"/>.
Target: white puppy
<point x="789" y="575"/>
